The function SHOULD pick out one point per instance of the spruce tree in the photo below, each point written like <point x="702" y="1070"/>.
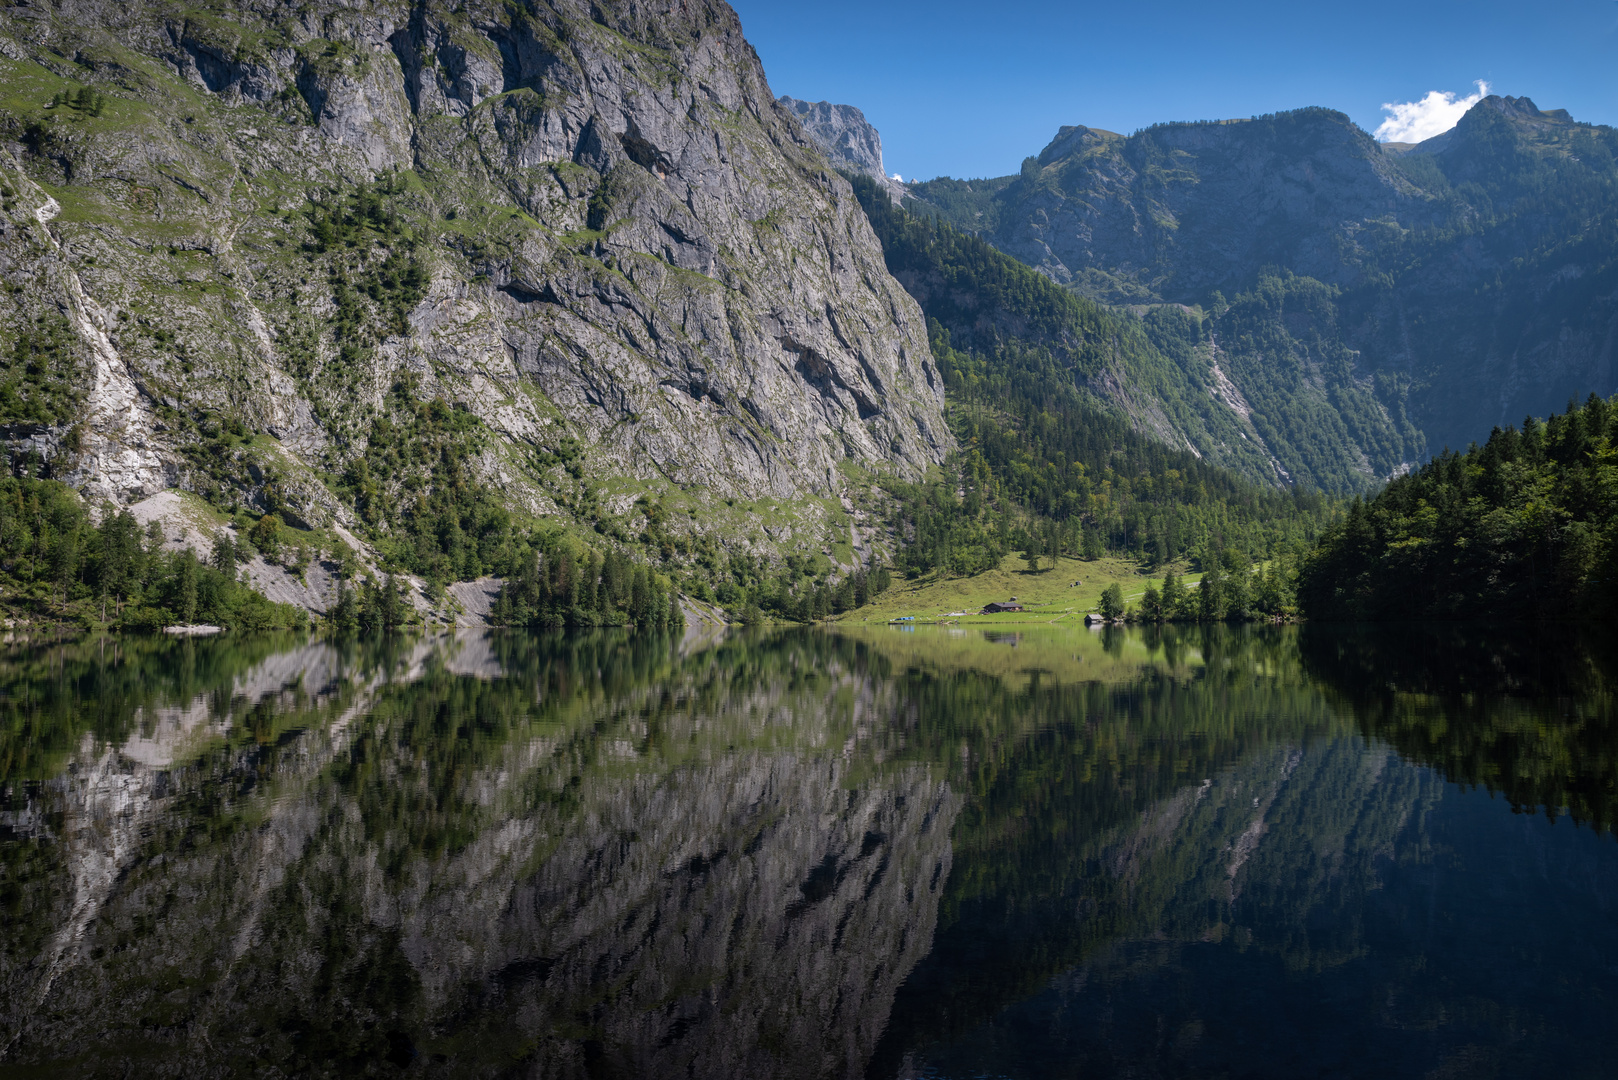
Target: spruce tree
<point x="1211" y="596"/>
<point x="640" y="597"/>
<point x="1151" y="604"/>
<point x="1093" y="548"/>
<point x="1173" y="596"/>
<point x="186" y="585"/>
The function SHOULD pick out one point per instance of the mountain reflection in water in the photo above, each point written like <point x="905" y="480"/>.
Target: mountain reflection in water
<point x="1216" y="852"/>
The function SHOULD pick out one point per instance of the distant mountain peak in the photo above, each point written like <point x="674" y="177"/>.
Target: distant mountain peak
<point x="1434" y="289"/>
<point x="1520" y="112"/>
<point x="848" y="140"/>
<point x="1073" y="139"/>
<point x="1511" y="106"/>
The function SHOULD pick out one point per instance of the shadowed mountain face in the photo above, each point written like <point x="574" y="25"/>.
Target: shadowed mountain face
<point x="799" y="855"/>
<point x="1183" y="209"/>
<point x="1451" y="286"/>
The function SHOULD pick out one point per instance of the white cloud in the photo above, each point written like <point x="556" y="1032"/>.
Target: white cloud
<point x="1440" y="110"/>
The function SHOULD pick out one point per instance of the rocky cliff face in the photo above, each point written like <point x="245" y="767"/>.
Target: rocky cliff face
<point x="248" y="238"/>
<point x="1509" y="307"/>
<point x="847" y="138"/>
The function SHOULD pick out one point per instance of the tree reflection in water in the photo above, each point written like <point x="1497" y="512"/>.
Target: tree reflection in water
<point x="1170" y="852"/>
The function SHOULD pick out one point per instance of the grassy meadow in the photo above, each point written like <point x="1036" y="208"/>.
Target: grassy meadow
<point x="1049" y="595"/>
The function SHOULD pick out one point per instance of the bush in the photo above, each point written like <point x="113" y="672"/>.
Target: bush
<point x="266" y="535"/>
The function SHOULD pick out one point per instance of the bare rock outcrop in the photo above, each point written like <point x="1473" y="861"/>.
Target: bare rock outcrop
<point x="848" y="139"/>
<point x="589" y="227"/>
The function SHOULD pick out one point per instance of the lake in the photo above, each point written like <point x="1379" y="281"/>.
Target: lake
<point x="934" y="852"/>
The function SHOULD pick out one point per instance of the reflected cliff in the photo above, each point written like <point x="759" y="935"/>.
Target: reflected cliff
<point x="1268" y="864"/>
<point x="508" y="853"/>
<point x="812" y="854"/>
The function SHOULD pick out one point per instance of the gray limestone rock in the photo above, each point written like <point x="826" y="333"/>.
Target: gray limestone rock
<point x="1182" y="209"/>
<point x="625" y="244"/>
<point x="1468" y="284"/>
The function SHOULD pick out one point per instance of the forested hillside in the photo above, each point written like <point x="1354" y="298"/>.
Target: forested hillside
<point x="1047" y="464"/>
<point x="1279" y="345"/>
<point x="1523" y="527"/>
<point x="58" y="566"/>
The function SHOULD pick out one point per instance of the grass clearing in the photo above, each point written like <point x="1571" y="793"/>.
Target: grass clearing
<point x="1049" y="595"/>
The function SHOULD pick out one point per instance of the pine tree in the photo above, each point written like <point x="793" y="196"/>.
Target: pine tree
<point x="223" y="558"/>
<point x="640" y="597"/>
<point x="1093" y="548"/>
<point x="1271" y="595"/>
<point x="344" y="614"/>
<point x="392" y="608"/>
<point x="186" y="585"/>
<point x="1211" y="596"/>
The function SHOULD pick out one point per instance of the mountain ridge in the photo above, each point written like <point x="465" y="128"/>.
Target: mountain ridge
<point x="1468" y="279"/>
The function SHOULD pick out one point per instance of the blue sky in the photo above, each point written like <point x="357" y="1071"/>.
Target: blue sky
<point x="970" y="89"/>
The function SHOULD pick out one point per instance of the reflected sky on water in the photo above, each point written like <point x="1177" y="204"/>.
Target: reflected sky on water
<point x="1220" y="852"/>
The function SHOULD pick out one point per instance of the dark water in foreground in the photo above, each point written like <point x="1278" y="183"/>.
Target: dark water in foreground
<point x="1221" y="853"/>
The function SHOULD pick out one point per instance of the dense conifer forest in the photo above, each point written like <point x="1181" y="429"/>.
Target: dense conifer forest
<point x="1524" y="526"/>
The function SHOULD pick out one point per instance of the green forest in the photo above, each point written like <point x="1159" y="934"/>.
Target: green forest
<point x="1524" y="526"/>
<point x="987" y="300"/>
<point x="58" y="565"/>
<point x="1507" y="235"/>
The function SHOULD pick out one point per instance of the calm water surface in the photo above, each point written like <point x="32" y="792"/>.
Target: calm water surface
<point x="1212" y="853"/>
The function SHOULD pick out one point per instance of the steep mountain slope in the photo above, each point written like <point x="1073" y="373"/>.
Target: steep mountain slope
<point x="1510" y="306"/>
<point x="355" y="263"/>
<point x="1412" y="296"/>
